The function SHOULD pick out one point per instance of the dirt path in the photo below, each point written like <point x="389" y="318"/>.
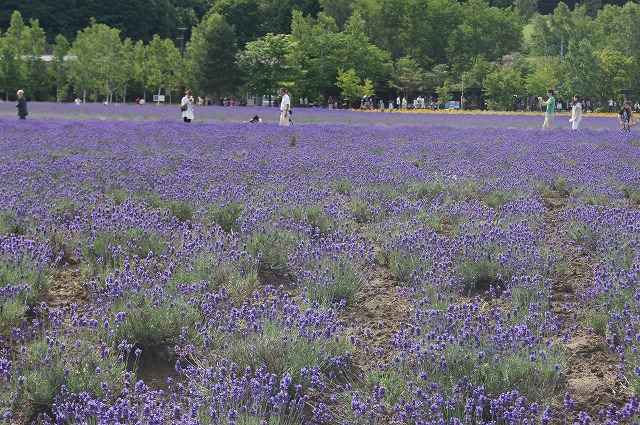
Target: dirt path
<point x="381" y="310"/>
<point x="591" y="365"/>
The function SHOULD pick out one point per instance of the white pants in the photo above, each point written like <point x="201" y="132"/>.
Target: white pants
<point x="548" y="122"/>
<point x="284" y="119"/>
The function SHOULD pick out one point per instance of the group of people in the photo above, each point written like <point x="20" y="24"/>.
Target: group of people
<point x="187" y="104"/>
<point x="625" y="116"/>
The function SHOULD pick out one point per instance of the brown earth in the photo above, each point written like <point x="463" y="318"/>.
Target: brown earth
<point x="381" y="307"/>
<point x="591" y="365"/>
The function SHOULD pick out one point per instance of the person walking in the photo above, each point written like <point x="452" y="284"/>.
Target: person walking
<point x="550" y="103"/>
<point x="186" y="106"/>
<point x="285" y="107"/>
<point x="576" y="112"/>
<point x="22" y="105"/>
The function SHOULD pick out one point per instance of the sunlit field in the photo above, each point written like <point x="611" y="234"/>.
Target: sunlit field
<point x="354" y="268"/>
<point x="207" y="114"/>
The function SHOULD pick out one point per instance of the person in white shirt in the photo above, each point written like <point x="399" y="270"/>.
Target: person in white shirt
<point x="285" y="107"/>
<point x="186" y="106"/>
<point x="576" y="113"/>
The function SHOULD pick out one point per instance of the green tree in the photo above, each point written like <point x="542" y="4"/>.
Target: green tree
<point x="59" y="67"/>
<point x="502" y="87"/>
<point x="354" y="47"/>
<point x="267" y="63"/>
<point x="141" y="71"/>
<point x="339" y="10"/>
<point x="555" y="34"/>
<point x="526" y="8"/>
<point x="212" y="57"/>
<point x="486" y="33"/>
<point x="12" y="75"/>
<point x="352" y="86"/>
<point x="437" y="76"/>
<point x="125" y="72"/>
<point x="98" y="63"/>
<point x="244" y="16"/>
<point x="582" y="71"/>
<point x="407" y="75"/>
<point x="161" y="65"/>
<point x="617" y="72"/>
<point x="277" y="14"/>
<point x="544" y="77"/>
<point x="442" y="18"/>
<point x="22" y="65"/>
<point x="36" y="75"/>
<point x="138" y="19"/>
<point x="444" y="92"/>
<point x="318" y="45"/>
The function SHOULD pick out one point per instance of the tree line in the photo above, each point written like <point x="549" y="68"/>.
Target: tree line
<point x="441" y="47"/>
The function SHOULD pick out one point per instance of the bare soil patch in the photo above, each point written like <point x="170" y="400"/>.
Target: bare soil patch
<point x="591" y="365"/>
<point x="381" y="308"/>
<point x="66" y="288"/>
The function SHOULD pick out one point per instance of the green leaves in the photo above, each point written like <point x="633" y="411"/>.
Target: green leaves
<point x="352" y="86"/>
<point x="211" y="56"/>
<point x="267" y="62"/>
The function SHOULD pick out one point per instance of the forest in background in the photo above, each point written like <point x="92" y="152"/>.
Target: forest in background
<point x="496" y="51"/>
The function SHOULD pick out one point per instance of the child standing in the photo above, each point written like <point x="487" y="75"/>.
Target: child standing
<point x="576" y="112"/>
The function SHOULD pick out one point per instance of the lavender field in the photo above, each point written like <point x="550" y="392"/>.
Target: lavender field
<point x="355" y="268"/>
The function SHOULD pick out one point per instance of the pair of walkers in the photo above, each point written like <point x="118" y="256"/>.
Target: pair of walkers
<point x="550" y="103"/>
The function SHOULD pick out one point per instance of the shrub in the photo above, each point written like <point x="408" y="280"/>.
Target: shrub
<point x="152" y="324"/>
<point x="226" y="216"/>
<point x="79" y="365"/>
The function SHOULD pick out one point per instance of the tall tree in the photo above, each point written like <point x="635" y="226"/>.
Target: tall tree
<point x="339" y="10"/>
<point x="617" y="72"/>
<point x="12" y="75"/>
<point x="353" y="87"/>
<point x="212" y="57"/>
<point x="355" y="48"/>
<point x="245" y="16"/>
<point x="407" y="75"/>
<point x="59" y="67"/>
<point x="486" y="33"/>
<point x="317" y="52"/>
<point x="502" y="87"/>
<point x="267" y="63"/>
<point x="37" y="77"/>
<point x="138" y="19"/>
<point x="98" y="61"/>
<point x="161" y="65"/>
<point x="582" y="70"/>
<point x="615" y="30"/>
<point x="555" y="34"/>
<point x="545" y="77"/>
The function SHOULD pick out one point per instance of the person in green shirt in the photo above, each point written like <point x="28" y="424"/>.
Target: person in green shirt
<point x="550" y="103"/>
